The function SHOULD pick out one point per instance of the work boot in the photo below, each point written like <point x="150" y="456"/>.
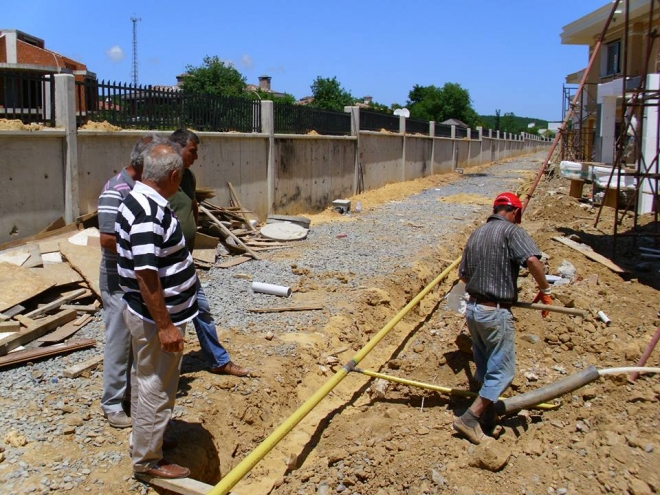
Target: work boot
<point x="230" y="368"/>
<point x="468" y="426"/>
<point x="118" y="419"/>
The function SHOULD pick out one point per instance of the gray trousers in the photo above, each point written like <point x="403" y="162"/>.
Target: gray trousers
<point x="117" y="353"/>
<point x="154" y="382"/>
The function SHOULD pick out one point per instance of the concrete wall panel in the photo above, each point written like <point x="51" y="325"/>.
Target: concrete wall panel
<point x="241" y="160"/>
<point x="32" y="182"/>
<point x="311" y="173"/>
<point x="443" y="155"/>
<point x="380" y="155"/>
<point x="462" y="153"/>
<point x="418" y="157"/>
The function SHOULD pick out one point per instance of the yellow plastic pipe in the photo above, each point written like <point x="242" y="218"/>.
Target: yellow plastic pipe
<point x="437" y="388"/>
<point x="242" y="468"/>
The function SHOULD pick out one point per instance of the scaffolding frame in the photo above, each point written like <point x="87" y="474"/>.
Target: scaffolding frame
<point x="579" y="135"/>
<point x="636" y="99"/>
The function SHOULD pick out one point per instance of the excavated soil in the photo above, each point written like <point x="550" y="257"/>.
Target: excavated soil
<point x="375" y="437"/>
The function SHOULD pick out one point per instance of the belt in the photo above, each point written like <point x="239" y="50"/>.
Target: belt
<point x="492" y="304"/>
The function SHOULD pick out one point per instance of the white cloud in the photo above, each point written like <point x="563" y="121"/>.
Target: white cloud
<point x="115" y="53"/>
<point x="246" y="62"/>
<point x="277" y="70"/>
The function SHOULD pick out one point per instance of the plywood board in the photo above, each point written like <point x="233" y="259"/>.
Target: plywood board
<point x="590" y="253"/>
<point x="17" y="257"/>
<point x="19" y="284"/>
<point x="26" y="256"/>
<point x="58" y="273"/>
<point x="203" y="241"/>
<point x="184" y="486"/>
<point x="36" y="329"/>
<point x="86" y="260"/>
<point x="234" y="261"/>
<point x="205" y="255"/>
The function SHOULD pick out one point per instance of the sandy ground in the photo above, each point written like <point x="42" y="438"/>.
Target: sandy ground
<point x="381" y="438"/>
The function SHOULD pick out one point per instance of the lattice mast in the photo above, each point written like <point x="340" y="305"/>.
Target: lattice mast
<point x="134" y="68"/>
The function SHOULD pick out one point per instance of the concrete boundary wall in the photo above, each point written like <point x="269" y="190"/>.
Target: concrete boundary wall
<point x="53" y="173"/>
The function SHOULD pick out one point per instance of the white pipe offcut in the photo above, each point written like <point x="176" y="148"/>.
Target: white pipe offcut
<point x="276" y="290"/>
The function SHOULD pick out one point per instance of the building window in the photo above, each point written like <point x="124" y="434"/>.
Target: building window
<point x="612" y="59"/>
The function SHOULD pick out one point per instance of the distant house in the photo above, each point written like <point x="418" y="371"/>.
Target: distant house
<point x="264" y="85"/>
<point x="456" y="122"/>
<point x="24" y="61"/>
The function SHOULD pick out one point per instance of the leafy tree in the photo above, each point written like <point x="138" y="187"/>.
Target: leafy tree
<point x="329" y="95"/>
<point x="439" y="104"/>
<point x="214" y="77"/>
<point x="497" y="120"/>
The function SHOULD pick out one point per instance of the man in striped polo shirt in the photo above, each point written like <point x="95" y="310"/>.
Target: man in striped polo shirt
<point x="157" y="275"/>
<point x="117" y="351"/>
<point x="491" y="261"/>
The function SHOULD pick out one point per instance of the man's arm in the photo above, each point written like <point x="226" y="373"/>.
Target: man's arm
<point x="152" y="294"/>
<point x="109" y="242"/>
<point x="535" y="267"/>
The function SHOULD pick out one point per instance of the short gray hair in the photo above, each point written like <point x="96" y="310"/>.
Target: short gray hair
<point x="160" y="160"/>
<point x="137" y="155"/>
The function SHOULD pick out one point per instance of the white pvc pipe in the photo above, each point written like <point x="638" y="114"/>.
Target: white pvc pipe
<point x="276" y="290"/>
<point x="626" y="370"/>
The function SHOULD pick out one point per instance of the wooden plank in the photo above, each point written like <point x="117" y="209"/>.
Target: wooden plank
<point x="247" y="216"/>
<point x="203" y="241"/>
<point x="590" y="253"/>
<point x="184" y="486"/>
<point x="55" y="225"/>
<point x="283" y="309"/>
<point x="81" y="308"/>
<point x="80" y="368"/>
<point x="229" y="233"/>
<point x="55" y="304"/>
<point x="41" y="352"/>
<point x="43" y="235"/>
<point x="65" y="331"/>
<point x="37" y="329"/>
<point x="26" y="256"/>
<point x="19" y="284"/>
<point x="204" y="255"/>
<point x="59" y="273"/>
<point x="234" y="261"/>
<point x="86" y="261"/>
<point x="13" y="311"/>
<point x="10" y="326"/>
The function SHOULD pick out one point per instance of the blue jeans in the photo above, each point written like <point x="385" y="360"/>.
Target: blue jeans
<point x="212" y="350"/>
<point x="493" y="347"/>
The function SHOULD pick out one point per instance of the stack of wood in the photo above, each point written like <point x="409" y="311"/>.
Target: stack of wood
<point x="49" y="292"/>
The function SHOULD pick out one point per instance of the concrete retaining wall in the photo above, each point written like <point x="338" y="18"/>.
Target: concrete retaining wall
<point x="285" y="174"/>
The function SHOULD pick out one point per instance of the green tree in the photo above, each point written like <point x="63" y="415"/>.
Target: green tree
<point x="497" y="120"/>
<point x="260" y="94"/>
<point x="214" y="77"/>
<point x="439" y="104"/>
<point x="329" y="95"/>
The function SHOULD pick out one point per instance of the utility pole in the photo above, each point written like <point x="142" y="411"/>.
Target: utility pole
<point x="134" y="69"/>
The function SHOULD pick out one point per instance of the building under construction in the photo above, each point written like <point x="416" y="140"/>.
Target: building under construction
<point x="611" y="117"/>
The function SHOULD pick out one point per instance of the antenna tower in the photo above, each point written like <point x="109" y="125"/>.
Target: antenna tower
<point x="134" y="69"/>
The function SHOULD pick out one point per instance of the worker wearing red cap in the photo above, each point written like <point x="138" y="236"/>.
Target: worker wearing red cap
<point x="491" y="261"/>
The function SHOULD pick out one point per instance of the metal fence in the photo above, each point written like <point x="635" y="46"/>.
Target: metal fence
<point x="375" y="121"/>
<point x="295" y="119"/>
<point x="414" y="126"/>
<point x="442" y="130"/>
<point x="474" y="134"/>
<point x="27" y="97"/>
<point x="461" y="132"/>
<point x="149" y="107"/>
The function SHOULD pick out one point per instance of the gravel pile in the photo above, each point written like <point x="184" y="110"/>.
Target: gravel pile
<point x="37" y="401"/>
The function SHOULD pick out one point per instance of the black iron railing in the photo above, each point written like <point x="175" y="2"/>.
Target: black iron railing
<point x="474" y="134"/>
<point x="461" y="132"/>
<point x="414" y="126"/>
<point x="28" y="97"/>
<point x="295" y="119"/>
<point x="376" y="121"/>
<point x="152" y="107"/>
<point x="442" y="130"/>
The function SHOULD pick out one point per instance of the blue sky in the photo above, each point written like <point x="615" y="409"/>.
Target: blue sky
<point x="506" y="53"/>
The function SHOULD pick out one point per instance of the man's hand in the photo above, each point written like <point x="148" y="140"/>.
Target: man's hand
<point x="543" y="299"/>
<point x="170" y="339"/>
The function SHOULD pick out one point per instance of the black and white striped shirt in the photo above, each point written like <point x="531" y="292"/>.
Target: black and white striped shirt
<point x="492" y="259"/>
<point x="149" y="237"/>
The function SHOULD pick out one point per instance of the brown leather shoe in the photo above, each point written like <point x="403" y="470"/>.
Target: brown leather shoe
<point x="166" y="469"/>
<point x="230" y="368"/>
<point x="474" y="435"/>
